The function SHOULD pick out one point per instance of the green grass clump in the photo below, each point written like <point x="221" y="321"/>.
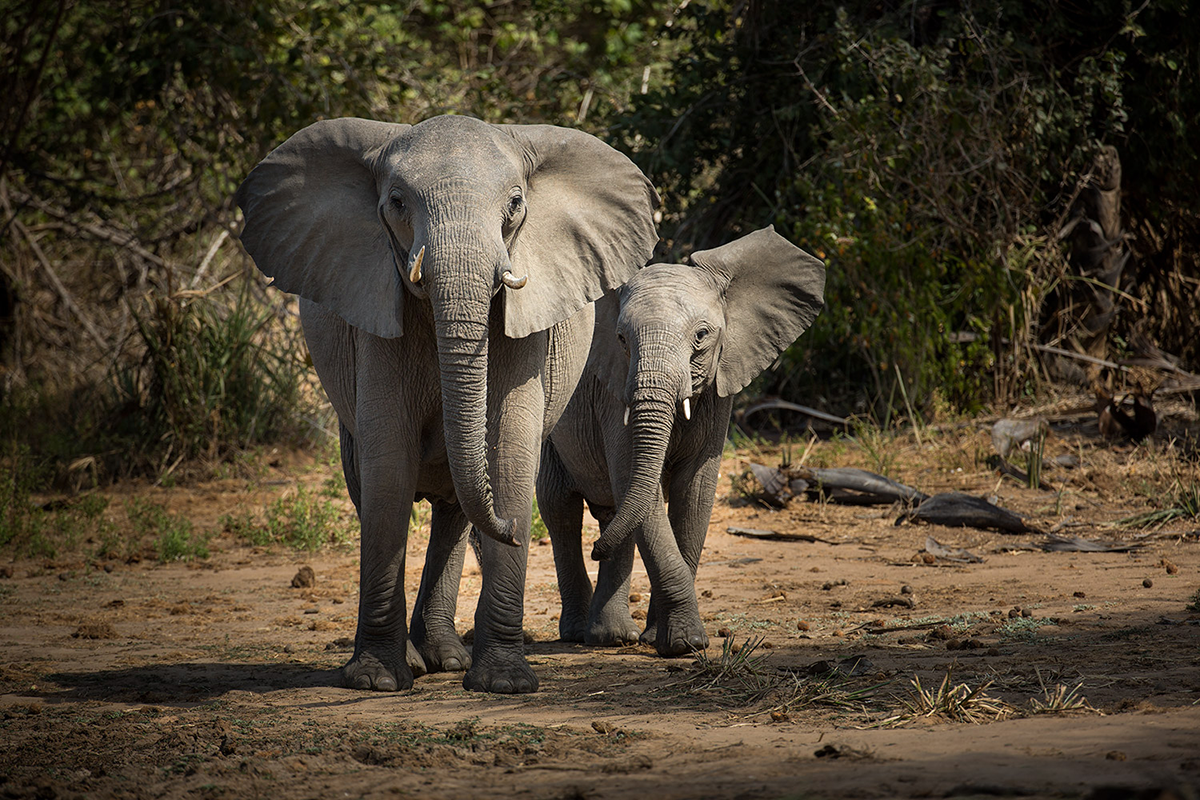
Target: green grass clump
<point x="303" y="521"/>
<point x="173" y="536"/>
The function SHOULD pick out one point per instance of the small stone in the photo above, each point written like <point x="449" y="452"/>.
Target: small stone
<point x="305" y="578"/>
<point x="724" y="633"/>
<point x="1080" y="595"/>
<point x="928" y="558"/>
<point x="289" y="648"/>
<point x="1170" y="567"/>
<point x="1149" y="584"/>
<point x="1025" y="612"/>
<point x="779" y="716"/>
<point x="802" y="626"/>
<point x="1014" y="613"/>
<point x="635" y="597"/>
<point x="906" y="589"/>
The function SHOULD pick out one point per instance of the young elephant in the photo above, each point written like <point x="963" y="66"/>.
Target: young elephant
<point x="677" y="338"/>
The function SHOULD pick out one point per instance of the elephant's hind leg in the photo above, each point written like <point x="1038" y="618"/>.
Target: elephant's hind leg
<point x="561" y="507"/>
<point x="432" y="632"/>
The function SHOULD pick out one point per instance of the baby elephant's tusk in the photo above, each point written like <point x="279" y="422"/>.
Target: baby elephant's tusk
<point x="513" y="282"/>
<point x="414" y="274"/>
<point x="687" y="408"/>
<point x="626" y="415"/>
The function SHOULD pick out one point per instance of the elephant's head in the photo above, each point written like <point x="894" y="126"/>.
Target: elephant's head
<point x="682" y="330"/>
<point x="351" y="214"/>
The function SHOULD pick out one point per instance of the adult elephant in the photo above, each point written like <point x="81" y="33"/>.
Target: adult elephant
<point x="652" y="413"/>
<point x="446" y="272"/>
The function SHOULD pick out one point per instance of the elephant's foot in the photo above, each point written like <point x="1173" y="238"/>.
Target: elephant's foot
<point x="609" y="632"/>
<point x="381" y="672"/>
<point x="572" y="627"/>
<point x="443" y="652"/>
<point x="501" y="673"/>
<point x="679" y="639"/>
<point x="412" y="656"/>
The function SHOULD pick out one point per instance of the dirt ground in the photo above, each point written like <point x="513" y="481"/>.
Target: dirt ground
<point x="218" y="678"/>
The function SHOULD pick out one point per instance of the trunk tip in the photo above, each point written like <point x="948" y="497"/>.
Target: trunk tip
<point x="505" y="532"/>
<point x="603" y="549"/>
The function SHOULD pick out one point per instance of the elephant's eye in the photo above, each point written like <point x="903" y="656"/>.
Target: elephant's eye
<point x="624" y="344"/>
<point x="397" y="202"/>
<point x="514" y="205"/>
<point x="702" y="335"/>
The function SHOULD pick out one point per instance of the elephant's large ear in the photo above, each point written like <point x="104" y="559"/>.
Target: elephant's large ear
<point x="312" y="222"/>
<point x="773" y="292"/>
<point x="588" y="228"/>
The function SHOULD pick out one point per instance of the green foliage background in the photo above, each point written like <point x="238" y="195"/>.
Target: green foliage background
<point x="929" y="150"/>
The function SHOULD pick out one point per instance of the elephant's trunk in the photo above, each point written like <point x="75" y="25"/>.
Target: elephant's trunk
<point x="461" y="304"/>
<point x="651" y="420"/>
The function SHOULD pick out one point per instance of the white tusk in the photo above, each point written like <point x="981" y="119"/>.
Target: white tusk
<point x="687" y="408"/>
<point x="511" y="282"/>
<point x="626" y="415"/>
<point x="414" y="274"/>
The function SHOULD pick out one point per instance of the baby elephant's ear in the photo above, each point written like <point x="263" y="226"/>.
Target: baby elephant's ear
<point x="312" y="222"/>
<point x="773" y="292"/>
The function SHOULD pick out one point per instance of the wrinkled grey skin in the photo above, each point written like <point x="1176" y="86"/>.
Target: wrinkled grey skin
<point x="408" y="245"/>
<point x="698" y="333"/>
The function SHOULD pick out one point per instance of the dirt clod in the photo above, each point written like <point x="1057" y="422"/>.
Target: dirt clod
<point x="906" y="589"/>
<point x="724" y="633"/>
<point x="1149" y="584"/>
<point x="1169" y="566"/>
<point x="305" y="578"/>
<point x="635" y="597"/>
<point x="95" y="629"/>
<point x="802" y="626"/>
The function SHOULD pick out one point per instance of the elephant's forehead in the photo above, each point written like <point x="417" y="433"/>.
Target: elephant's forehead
<point x="664" y="289"/>
<point x="449" y="147"/>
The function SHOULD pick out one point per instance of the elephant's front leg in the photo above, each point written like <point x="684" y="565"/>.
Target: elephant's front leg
<point x="388" y="479"/>
<point x="691" y="491"/>
<point x="673" y="620"/>
<point x="516" y="409"/>
<point x="433" y="634"/>
<point x="609" y="620"/>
